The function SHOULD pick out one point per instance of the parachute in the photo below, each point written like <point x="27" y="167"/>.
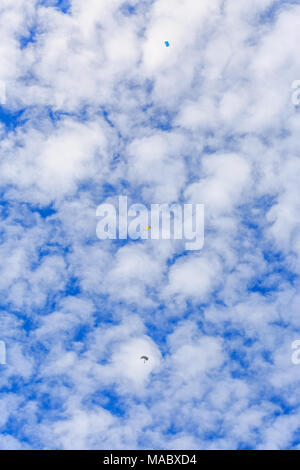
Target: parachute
<point x="145" y="358"/>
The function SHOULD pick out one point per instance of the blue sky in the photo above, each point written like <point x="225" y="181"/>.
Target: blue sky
<point x="96" y="107"/>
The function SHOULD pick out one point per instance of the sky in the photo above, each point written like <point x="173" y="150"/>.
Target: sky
<point x="97" y="106"/>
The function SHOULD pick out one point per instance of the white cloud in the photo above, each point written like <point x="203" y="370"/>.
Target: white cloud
<point x="97" y="106"/>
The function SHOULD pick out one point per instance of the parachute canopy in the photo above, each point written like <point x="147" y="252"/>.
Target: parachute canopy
<point x="145" y="358"/>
